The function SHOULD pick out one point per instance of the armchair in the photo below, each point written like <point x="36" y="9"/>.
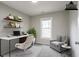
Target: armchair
<point x="57" y="44"/>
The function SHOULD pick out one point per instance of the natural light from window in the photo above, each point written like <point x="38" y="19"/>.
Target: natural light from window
<point x="46" y="27"/>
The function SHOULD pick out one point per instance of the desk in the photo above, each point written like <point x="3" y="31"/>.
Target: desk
<point x="9" y="39"/>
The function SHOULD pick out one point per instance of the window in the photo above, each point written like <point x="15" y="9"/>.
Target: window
<point x="46" y="27"/>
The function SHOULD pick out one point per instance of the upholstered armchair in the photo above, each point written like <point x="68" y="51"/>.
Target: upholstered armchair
<point x="57" y="44"/>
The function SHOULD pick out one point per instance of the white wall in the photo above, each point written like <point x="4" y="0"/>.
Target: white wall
<point x="4" y="11"/>
<point x="74" y="31"/>
<point x="60" y="25"/>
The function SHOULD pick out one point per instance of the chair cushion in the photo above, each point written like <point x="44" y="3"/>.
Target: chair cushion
<point x="19" y="45"/>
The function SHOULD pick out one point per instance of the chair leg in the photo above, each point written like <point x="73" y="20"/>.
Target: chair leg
<point x="33" y="43"/>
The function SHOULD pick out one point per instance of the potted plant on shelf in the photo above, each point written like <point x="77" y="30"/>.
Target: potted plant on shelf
<point x="33" y="32"/>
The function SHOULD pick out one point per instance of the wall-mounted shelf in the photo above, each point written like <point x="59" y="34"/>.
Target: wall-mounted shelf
<point x="12" y="20"/>
<point x="12" y="24"/>
<point x="11" y="27"/>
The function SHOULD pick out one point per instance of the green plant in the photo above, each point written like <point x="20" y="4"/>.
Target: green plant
<point x="32" y="31"/>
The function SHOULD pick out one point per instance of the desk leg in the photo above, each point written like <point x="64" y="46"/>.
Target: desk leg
<point x="0" y="48"/>
<point x="9" y="49"/>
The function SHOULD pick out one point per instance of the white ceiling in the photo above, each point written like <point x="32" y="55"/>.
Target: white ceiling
<point x="40" y="7"/>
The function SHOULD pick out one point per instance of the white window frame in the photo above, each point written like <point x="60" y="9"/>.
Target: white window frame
<point x="45" y="18"/>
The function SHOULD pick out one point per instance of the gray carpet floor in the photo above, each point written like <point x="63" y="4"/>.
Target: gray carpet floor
<point x="37" y="51"/>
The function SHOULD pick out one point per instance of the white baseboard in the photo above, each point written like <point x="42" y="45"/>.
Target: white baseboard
<point x="42" y="43"/>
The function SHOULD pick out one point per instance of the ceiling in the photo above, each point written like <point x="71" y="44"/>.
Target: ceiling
<point x="40" y="7"/>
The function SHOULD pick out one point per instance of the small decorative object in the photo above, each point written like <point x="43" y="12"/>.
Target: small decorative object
<point x="71" y="6"/>
<point x="23" y="33"/>
<point x="17" y="25"/>
<point x="9" y="35"/>
<point x="32" y="31"/>
<point x="12" y="24"/>
<point x="10" y="17"/>
<point x="13" y="18"/>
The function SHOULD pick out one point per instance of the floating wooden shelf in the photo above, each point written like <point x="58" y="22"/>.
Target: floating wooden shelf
<point x="12" y="23"/>
<point x="11" y="27"/>
<point x="13" y="20"/>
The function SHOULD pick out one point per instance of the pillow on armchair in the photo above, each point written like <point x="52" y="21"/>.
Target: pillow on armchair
<point x="59" y="38"/>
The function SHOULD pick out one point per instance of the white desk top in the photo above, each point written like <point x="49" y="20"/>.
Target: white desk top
<point x="12" y="37"/>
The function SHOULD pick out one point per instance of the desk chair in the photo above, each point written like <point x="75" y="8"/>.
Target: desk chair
<point x="26" y="44"/>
